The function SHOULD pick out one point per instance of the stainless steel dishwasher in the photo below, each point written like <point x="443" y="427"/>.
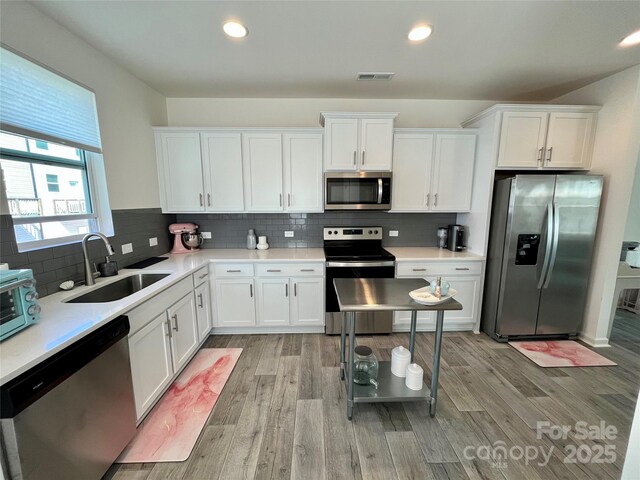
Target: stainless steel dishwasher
<point x="70" y="416"/>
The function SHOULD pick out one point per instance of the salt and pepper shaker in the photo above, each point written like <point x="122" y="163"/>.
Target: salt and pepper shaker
<point x="438" y="292"/>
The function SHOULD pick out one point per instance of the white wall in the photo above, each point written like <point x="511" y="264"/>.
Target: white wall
<point x="615" y="156"/>
<point x="127" y="108"/>
<point x="305" y="112"/>
<point x="632" y="229"/>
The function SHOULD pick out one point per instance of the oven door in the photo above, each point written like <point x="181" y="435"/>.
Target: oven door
<point x="358" y="191"/>
<point x="366" y="322"/>
<point x="12" y="314"/>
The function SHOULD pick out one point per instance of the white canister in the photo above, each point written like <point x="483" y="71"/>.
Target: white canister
<point x="414" y="376"/>
<point x="400" y="359"/>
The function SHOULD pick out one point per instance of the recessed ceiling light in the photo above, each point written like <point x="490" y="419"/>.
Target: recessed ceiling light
<point x="420" y="33"/>
<point x="235" y="29"/>
<point x="632" y="39"/>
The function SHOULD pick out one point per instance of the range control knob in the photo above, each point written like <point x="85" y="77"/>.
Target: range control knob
<point x="31" y="296"/>
<point x="34" y="310"/>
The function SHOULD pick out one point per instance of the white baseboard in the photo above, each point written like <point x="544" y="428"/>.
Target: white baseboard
<point x="594" y="342"/>
<point x="265" y="330"/>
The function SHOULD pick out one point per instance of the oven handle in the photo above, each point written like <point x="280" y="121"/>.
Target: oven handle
<point x="361" y="264"/>
<point x="379" y="190"/>
<point x="11" y="285"/>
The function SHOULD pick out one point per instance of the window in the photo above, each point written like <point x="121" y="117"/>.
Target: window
<point x="49" y="194"/>
<point x="50" y="155"/>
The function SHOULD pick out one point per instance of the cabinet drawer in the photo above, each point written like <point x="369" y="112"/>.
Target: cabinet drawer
<point x="290" y="269"/>
<point x="200" y="276"/>
<point x="429" y="269"/>
<point x="155" y="306"/>
<point x="233" y="270"/>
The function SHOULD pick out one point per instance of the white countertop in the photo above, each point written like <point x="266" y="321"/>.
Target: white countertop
<point x="431" y="254"/>
<point x="62" y="324"/>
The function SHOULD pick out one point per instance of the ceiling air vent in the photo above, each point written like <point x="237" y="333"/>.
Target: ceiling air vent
<point x="375" y="75"/>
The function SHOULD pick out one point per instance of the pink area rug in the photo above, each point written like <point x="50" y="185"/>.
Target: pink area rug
<point x="561" y="353"/>
<point x="171" y="429"/>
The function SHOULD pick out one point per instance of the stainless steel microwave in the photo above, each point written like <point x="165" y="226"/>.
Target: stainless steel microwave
<point x="357" y="191"/>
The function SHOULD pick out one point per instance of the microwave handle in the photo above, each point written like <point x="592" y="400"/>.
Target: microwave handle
<point x="11" y="285"/>
<point x="379" y="190"/>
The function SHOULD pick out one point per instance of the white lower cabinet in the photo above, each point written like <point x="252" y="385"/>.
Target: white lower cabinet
<point x="285" y="295"/>
<point x="151" y="364"/>
<point x="184" y="330"/>
<point x="235" y="303"/>
<point x="465" y="277"/>
<point x="203" y="311"/>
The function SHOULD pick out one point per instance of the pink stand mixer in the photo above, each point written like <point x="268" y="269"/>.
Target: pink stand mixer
<point x="187" y="240"/>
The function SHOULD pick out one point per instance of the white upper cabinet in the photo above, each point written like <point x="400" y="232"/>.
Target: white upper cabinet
<point x="358" y="141"/>
<point x="535" y="137"/>
<point x="262" y="154"/>
<point x="303" y="172"/>
<point x="433" y="170"/>
<point x="222" y="163"/>
<point x="180" y="171"/>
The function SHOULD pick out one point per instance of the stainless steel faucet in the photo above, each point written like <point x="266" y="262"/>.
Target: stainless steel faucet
<point x="90" y="273"/>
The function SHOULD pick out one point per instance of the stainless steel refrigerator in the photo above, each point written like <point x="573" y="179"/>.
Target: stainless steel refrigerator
<point x="540" y="250"/>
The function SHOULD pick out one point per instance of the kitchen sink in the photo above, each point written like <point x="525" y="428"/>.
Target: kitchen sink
<point x="119" y="289"/>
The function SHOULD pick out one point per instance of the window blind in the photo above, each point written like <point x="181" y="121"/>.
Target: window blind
<point x="38" y="102"/>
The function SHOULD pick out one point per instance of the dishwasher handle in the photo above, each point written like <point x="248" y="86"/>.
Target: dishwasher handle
<point x="26" y="389"/>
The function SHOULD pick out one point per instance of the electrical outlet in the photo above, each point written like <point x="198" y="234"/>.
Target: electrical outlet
<point x="127" y="248"/>
<point x="288" y="233"/>
<point x="206" y="235"/>
<point x="153" y="241"/>
<point x="393" y="233"/>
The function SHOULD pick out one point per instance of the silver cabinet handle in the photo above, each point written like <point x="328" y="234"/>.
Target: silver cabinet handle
<point x="419" y="269"/>
<point x="201" y="201"/>
<point x="280" y="199"/>
<point x="435" y="200"/>
<point x="175" y="322"/>
<point x="549" y="154"/>
<point x="307" y="270"/>
<point x="234" y="271"/>
<point x="208" y="199"/>
<point x="540" y="150"/>
<point x="273" y="270"/>
<point x="295" y="289"/>
<point x="251" y="290"/>
<point x="354" y="157"/>
<point x="461" y="268"/>
<point x="201" y="302"/>
<point x="168" y="334"/>
<point x="362" y="157"/>
<point x="203" y="275"/>
<point x="286" y="289"/>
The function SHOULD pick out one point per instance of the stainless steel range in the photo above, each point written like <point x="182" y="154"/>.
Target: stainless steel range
<point x="356" y="252"/>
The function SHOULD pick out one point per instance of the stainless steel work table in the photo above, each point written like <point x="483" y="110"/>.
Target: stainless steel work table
<point x="366" y="294"/>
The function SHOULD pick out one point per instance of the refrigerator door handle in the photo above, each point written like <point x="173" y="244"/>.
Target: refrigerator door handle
<point x="554" y="250"/>
<point x="548" y="245"/>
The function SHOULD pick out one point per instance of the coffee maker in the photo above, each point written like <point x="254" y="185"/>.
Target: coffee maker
<point x="455" y="238"/>
<point x="186" y="240"/>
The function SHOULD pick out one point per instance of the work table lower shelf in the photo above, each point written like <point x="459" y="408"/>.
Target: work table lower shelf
<point x="390" y="388"/>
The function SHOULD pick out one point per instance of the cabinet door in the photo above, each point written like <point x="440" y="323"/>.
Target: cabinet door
<point x="412" y="166"/>
<point x="222" y="161"/>
<point x="341" y="144"/>
<point x="203" y="312"/>
<point x="453" y="164"/>
<point x="180" y="171"/>
<point x="522" y="139"/>
<point x="570" y="140"/>
<point x="151" y="366"/>
<point x="262" y="154"/>
<point x="235" y="303"/>
<point x="184" y="330"/>
<point x="376" y="144"/>
<point x="303" y="172"/>
<point x="468" y="290"/>
<point x="307" y="302"/>
<point x="273" y="301"/>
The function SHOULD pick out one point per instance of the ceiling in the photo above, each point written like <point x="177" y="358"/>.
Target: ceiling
<point x="482" y="50"/>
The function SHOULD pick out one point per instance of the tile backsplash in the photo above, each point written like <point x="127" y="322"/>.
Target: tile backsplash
<point x="230" y="230"/>
<point x="52" y="266"/>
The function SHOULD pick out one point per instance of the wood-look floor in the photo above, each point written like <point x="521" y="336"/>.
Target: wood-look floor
<point x="282" y="414"/>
